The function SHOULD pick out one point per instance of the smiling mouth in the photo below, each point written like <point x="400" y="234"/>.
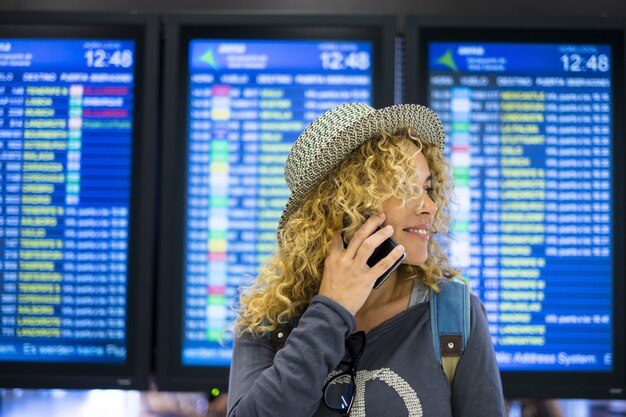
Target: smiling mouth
<point x="419" y="231"/>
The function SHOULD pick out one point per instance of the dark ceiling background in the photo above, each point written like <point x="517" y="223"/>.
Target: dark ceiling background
<point x="401" y="8"/>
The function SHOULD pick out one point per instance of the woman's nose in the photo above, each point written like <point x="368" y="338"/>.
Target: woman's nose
<point x="427" y="206"/>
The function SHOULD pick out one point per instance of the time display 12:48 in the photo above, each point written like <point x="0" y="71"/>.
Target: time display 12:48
<point x="336" y="60"/>
<point x="581" y="63"/>
<point x="101" y="58"/>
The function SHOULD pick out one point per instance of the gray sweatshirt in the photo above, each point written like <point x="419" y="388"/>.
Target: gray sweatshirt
<point x="397" y="375"/>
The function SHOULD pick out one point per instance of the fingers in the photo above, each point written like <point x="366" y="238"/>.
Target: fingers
<point x="347" y="279"/>
<point x="364" y="232"/>
<point x="366" y="241"/>
<point x="388" y="261"/>
<point x="370" y="244"/>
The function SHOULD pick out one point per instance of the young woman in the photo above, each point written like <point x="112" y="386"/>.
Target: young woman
<point x="313" y="337"/>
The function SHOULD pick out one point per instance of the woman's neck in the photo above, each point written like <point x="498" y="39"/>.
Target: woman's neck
<point x="383" y="303"/>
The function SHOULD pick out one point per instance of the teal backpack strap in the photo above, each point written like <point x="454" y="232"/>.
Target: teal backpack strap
<point x="450" y="323"/>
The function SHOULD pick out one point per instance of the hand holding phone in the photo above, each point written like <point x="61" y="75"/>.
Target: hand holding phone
<point x="347" y="279"/>
<point x="381" y="252"/>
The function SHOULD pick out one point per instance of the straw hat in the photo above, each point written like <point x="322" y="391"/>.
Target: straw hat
<point x="335" y="134"/>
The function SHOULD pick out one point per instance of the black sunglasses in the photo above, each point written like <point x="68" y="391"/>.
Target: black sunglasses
<point x="339" y="390"/>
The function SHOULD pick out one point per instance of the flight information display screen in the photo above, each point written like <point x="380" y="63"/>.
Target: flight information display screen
<point x="248" y="100"/>
<point x="66" y="122"/>
<point x="530" y="134"/>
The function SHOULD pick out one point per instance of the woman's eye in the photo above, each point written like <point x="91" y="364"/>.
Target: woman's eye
<point x="429" y="191"/>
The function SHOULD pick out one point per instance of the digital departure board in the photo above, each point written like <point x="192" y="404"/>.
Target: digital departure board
<point x="248" y="102"/>
<point x="534" y="128"/>
<point x="65" y="142"/>
<point x="77" y="186"/>
<point x="239" y="90"/>
<point x="530" y="134"/>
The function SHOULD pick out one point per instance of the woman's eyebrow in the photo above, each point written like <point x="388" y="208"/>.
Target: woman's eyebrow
<point x="428" y="178"/>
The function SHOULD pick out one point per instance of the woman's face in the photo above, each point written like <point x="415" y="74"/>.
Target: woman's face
<point x="412" y="223"/>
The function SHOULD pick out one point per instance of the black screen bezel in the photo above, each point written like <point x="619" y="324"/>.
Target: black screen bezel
<point x="134" y="373"/>
<point x="171" y="374"/>
<point x="419" y="32"/>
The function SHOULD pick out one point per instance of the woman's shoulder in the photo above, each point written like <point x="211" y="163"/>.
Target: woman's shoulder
<point x="476" y="304"/>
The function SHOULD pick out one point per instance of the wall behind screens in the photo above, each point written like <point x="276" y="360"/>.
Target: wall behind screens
<point x="534" y="120"/>
<point x="77" y="159"/>
<point x="238" y="91"/>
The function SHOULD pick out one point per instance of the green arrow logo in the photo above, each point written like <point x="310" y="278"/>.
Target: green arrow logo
<point x="209" y="58"/>
<point x="448" y="60"/>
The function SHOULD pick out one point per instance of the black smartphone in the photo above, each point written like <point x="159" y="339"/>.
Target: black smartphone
<point x="379" y="253"/>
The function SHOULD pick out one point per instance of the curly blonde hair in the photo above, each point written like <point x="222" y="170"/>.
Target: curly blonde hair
<point x="379" y="169"/>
